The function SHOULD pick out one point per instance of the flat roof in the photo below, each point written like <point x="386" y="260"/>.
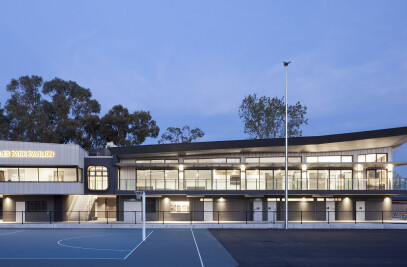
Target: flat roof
<point x="392" y="137"/>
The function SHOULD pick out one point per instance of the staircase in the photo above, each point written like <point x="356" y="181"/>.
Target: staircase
<point x="82" y="203"/>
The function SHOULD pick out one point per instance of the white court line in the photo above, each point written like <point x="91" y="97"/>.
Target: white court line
<point x="13" y="232"/>
<point x="108" y="249"/>
<point x="138" y="245"/>
<point x="199" y="254"/>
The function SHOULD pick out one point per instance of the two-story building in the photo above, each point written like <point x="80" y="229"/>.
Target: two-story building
<point x="341" y="177"/>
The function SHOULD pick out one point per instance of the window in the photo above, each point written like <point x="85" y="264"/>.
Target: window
<point x="9" y="175"/>
<point x="273" y="160"/>
<point x="38" y="175"/>
<point x="36" y="206"/>
<point x="328" y="159"/>
<point x="97" y="178"/>
<point x="372" y="158"/>
<point x="180" y="207"/>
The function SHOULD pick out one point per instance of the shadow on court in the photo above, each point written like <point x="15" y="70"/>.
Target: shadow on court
<point x="315" y="247"/>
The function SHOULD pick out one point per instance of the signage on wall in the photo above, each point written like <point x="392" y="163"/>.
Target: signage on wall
<point x="26" y="154"/>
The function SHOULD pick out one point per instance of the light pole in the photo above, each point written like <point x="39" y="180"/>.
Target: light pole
<point x="286" y="147"/>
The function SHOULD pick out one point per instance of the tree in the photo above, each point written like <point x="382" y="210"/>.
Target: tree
<point x="24" y="109"/>
<point x="4" y="125"/>
<point x="73" y="114"/>
<point x="175" y="135"/>
<point x="264" y="117"/>
<point x="125" y="128"/>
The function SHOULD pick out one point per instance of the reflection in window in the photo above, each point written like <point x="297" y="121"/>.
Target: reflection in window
<point x="97" y="178"/>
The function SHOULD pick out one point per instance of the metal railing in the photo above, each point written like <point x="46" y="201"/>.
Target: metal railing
<point x="199" y="217"/>
<point x="263" y="184"/>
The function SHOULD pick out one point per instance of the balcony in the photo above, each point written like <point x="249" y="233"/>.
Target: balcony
<point x="264" y="184"/>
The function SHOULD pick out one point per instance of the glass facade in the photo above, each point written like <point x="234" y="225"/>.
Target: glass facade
<point x="40" y="174"/>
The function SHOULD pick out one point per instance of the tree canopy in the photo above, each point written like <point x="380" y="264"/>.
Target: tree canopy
<point x="59" y="111"/>
<point x="125" y="128"/>
<point x="264" y="117"/>
<point x="185" y="134"/>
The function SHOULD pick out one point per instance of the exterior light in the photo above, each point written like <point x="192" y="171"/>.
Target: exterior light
<point x="221" y="199"/>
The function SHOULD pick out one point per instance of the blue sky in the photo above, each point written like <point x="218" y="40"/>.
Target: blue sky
<point x="192" y="62"/>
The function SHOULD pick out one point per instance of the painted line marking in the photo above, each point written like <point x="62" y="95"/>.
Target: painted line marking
<point x="199" y="254"/>
<point x="13" y="232"/>
<point x="137" y="245"/>
<point x="77" y="237"/>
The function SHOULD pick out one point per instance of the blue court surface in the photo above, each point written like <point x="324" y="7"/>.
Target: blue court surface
<point x="111" y="247"/>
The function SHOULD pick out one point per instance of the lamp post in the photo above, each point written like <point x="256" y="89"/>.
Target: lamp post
<point x="286" y="147"/>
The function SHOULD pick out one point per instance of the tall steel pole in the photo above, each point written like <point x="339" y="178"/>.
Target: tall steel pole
<point x="286" y="147"/>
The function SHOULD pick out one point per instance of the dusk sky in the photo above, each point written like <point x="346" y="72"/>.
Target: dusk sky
<point x="192" y="62"/>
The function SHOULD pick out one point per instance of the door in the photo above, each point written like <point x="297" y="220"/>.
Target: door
<point x="360" y="211"/>
<point x="257" y="210"/>
<point x="271" y="211"/>
<point x="132" y="211"/>
<point x="330" y="210"/>
<point x="208" y="210"/>
<point x="20" y="211"/>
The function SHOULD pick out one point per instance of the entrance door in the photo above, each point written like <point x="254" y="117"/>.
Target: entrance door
<point x="130" y="208"/>
<point x="257" y="210"/>
<point x="330" y="211"/>
<point x="271" y="211"/>
<point x="20" y="211"/>
<point x="360" y="211"/>
<point x="208" y="210"/>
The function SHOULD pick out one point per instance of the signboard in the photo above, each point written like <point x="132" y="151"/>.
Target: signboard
<point x="26" y="154"/>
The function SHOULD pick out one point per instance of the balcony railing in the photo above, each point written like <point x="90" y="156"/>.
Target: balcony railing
<point x="263" y="184"/>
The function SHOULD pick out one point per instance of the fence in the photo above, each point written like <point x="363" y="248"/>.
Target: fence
<point x="196" y="217"/>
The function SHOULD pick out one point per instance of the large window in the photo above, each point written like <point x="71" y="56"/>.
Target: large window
<point x="322" y="159"/>
<point x="226" y="180"/>
<point x="157" y="179"/>
<point x="272" y="179"/>
<point x="329" y="179"/>
<point x="273" y="160"/>
<point x="39" y="174"/>
<point x="97" y="178"/>
<point x="372" y="158"/>
<point x="376" y="179"/>
<point x="197" y="179"/>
